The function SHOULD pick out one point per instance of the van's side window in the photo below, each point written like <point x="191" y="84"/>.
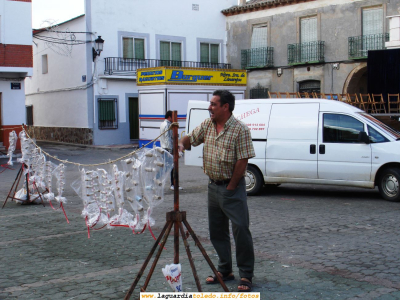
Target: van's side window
<point x="341" y="129"/>
<point x="375" y="136"/>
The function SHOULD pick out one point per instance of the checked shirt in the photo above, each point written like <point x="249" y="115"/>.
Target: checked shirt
<point x="222" y="151"/>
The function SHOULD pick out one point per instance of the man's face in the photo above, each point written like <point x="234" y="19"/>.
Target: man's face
<point x="215" y="108"/>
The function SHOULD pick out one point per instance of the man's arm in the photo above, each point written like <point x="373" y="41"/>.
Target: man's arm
<point x="184" y="143"/>
<point x="238" y="172"/>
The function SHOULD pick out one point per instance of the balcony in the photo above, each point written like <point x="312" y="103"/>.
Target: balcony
<point x="359" y="45"/>
<point x="128" y="66"/>
<point x="306" y="53"/>
<point x="258" y="58"/>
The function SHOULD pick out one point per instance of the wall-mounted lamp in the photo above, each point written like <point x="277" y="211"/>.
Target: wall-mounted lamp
<point x="335" y="66"/>
<point x="279" y="72"/>
<point x="98" y="47"/>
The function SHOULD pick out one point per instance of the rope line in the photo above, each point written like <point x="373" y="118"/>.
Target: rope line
<point x="103" y="163"/>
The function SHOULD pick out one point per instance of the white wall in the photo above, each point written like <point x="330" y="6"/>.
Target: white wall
<point x="15" y="22"/>
<point x="66" y="66"/>
<point x="167" y="18"/>
<point x="12" y="104"/>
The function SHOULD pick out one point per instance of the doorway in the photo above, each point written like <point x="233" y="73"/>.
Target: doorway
<point x="134" y="118"/>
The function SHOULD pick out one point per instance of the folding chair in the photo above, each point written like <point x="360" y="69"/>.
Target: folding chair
<point x="303" y="95"/>
<point x="368" y="104"/>
<point x="293" y="95"/>
<point x="273" y="94"/>
<point x="379" y="103"/>
<point x="283" y="95"/>
<point x="394" y="103"/>
<point x="353" y="100"/>
<point x="343" y="98"/>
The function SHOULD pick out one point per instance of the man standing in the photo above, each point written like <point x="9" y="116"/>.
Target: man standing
<point x="227" y="148"/>
<point x="166" y="140"/>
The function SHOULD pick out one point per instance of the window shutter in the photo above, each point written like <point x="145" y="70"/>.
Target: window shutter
<point x="107" y="110"/>
<point x="204" y="53"/>
<point x="127" y="48"/>
<point x="139" y="48"/>
<point x="259" y="37"/>
<point x="164" y="51"/>
<point x="176" y="51"/>
<point x="308" y="30"/>
<point x="372" y="21"/>
<point x="214" y="53"/>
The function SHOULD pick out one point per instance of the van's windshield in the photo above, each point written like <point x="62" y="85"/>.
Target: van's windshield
<point x="390" y="131"/>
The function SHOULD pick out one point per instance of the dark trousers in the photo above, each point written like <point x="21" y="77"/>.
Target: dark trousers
<point x="224" y="205"/>
<point x="172" y="171"/>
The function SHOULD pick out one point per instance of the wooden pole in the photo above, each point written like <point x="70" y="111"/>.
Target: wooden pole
<point x="176" y="185"/>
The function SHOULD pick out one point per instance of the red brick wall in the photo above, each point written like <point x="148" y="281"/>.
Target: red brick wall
<point x="16" y="55"/>
<point x="6" y="134"/>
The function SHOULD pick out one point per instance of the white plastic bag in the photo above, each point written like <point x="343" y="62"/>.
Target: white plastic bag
<point x="173" y="275"/>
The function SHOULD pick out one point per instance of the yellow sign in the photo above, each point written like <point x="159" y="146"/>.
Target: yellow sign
<point x="191" y="76"/>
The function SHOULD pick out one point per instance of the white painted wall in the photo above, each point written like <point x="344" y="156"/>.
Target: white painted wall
<point x="15" y="22"/>
<point x="171" y="18"/>
<point x="53" y="104"/>
<point x="12" y="104"/>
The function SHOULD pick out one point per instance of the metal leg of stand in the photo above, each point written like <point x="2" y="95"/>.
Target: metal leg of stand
<point x="203" y="251"/>
<point x="128" y="295"/>
<point x="153" y="266"/>
<point x="196" y="278"/>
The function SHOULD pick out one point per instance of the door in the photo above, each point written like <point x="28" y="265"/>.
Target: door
<point x="134" y="118"/>
<point x="340" y="155"/>
<point x="292" y="141"/>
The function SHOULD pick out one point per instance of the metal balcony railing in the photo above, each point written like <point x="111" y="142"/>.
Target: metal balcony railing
<point x="119" y="65"/>
<point x="310" y="52"/>
<point x="258" y="58"/>
<point x="359" y="45"/>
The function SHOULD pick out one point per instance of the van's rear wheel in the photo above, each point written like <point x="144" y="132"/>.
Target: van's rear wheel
<point x="254" y="180"/>
<point x="389" y="184"/>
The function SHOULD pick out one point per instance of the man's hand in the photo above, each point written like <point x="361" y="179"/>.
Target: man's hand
<point x="184" y="143"/>
<point x="238" y="171"/>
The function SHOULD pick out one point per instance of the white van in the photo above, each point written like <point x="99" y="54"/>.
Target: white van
<point x="312" y="141"/>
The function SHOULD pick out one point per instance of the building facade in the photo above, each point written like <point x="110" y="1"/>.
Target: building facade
<point x="308" y="46"/>
<point x="15" y="63"/>
<point x="93" y="96"/>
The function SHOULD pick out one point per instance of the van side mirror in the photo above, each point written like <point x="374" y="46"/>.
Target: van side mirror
<point x="363" y="137"/>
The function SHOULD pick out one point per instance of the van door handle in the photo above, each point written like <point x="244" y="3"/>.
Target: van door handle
<point x="313" y="149"/>
<point x="321" y="149"/>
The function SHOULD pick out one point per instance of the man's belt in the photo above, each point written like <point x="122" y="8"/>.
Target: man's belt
<point x="220" y="182"/>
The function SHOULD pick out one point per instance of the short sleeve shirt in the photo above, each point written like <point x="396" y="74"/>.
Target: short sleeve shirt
<point x="222" y="151"/>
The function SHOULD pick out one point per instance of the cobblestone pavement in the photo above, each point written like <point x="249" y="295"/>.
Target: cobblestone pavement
<point x="311" y="242"/>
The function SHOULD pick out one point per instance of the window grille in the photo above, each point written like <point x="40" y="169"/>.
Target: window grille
<point x="108" y="113"/>
<point x="259" y="92"/>
<point x="29" y="115"/>
<point x="310" y="86"/>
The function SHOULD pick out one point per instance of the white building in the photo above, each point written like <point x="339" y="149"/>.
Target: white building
<point x="78" y="100"/>
<point x="15" y="63"/>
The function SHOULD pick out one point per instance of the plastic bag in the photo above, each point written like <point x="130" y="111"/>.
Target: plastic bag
<point x="173" y="275"/>
<point x="11" y="148"/>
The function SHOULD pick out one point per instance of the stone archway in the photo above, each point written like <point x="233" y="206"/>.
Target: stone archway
<point x="357" y="80"/>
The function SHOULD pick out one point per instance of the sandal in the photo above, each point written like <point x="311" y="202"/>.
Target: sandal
<point x="246" y="283"/>
<point x="228" y="277"/>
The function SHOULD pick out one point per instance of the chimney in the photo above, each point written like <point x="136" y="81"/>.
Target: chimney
<point x="394" y="32"/>
<point x="242" y="2"/>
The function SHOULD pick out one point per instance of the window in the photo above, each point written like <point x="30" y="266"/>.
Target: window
<point x="133" y="48"/>
<point x="108" y="118"/>
<point x="372" y="20"/>
<point x="310" y="86"/>
<point x="375" y="136"/>
<point x="209" y="53"/>
<point x="29" y="115"/>
<point x="170" y="54"/>
<point x="259" y="92"/>
<point x="308" y="30"/>
<point x="259" y="37"/>
<point x="45" y="68"/>
<point x="341" y="129"/>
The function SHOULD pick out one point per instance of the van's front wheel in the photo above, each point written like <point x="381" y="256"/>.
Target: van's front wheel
<point x="254" y="180"/>
<point x="389" y="184"/>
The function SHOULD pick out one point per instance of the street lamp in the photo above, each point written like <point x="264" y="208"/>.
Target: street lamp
<point x="99" y="47"/>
